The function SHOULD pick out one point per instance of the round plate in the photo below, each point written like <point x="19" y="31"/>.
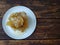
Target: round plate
<point x="17" y="34"/>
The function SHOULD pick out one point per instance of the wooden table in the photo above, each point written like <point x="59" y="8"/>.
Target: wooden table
<point x="47" y="31"/>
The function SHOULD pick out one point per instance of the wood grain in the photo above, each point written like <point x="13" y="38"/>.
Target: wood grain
<point x="47" y="13"/>
<point x="46" y="29"/>
<point x="41" y="10"/>
<point x="29" y="42"/>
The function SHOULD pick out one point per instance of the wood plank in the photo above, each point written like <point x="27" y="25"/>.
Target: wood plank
<point x="47" y="13"/>
<point x="30" y="42"/>
<point x="46" y="29"/>
<point x="41" y="11"/>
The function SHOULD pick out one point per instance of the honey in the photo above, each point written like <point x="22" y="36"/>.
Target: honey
<point x="18" y="21"/>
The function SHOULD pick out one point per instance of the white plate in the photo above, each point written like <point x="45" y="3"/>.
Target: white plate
<point x="17" y="34"/>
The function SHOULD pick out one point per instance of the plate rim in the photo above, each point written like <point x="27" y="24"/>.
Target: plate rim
<point x="34" y="26"/>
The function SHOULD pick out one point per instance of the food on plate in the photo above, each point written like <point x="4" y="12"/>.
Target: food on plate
<point x="18" y="21"/>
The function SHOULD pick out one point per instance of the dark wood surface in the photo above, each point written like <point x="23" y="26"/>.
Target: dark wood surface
<point x="47" y="13"/>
